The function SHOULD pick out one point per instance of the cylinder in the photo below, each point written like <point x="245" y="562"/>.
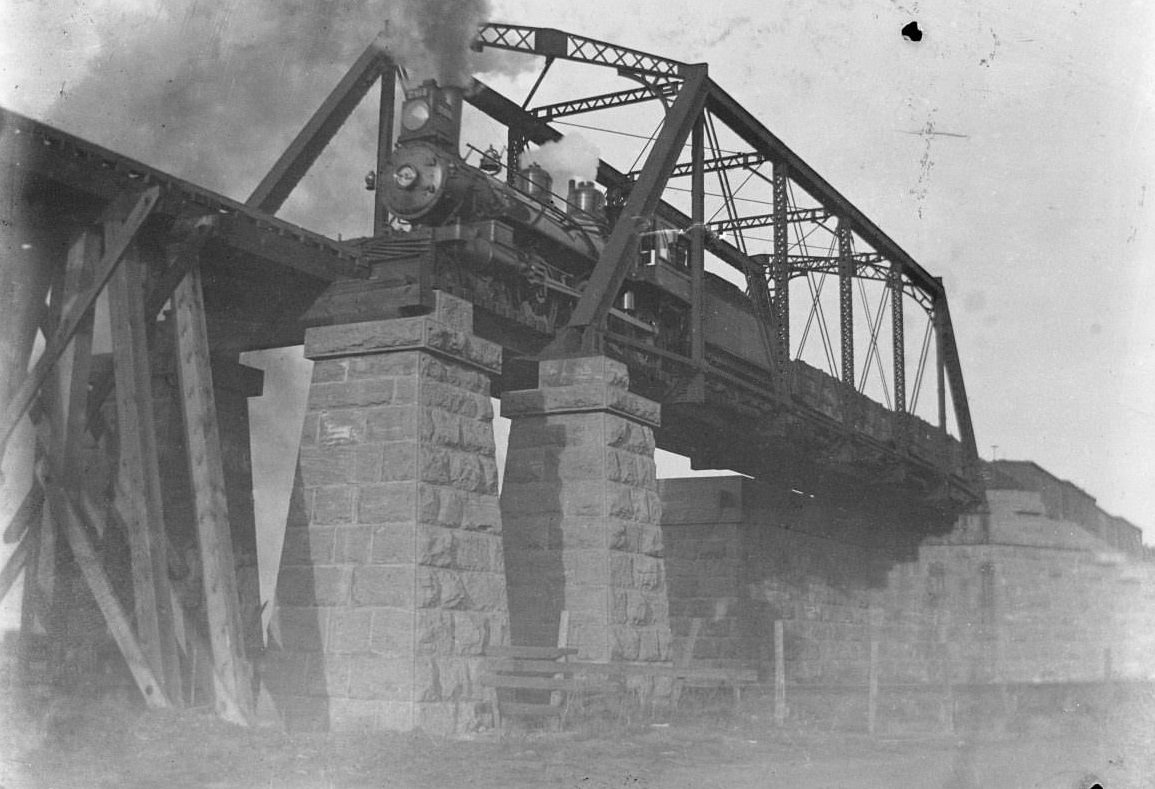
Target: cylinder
<point x="585" y="198"/>
<point x="536" y="182"/>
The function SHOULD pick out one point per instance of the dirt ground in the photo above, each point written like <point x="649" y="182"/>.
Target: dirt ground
<point x="99" y="744"/>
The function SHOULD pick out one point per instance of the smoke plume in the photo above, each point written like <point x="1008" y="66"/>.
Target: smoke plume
<point x="431" y="38"/>
<point x="214" y="90"/>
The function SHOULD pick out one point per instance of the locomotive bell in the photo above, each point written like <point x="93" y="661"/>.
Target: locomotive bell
<point x="490" y="161"/>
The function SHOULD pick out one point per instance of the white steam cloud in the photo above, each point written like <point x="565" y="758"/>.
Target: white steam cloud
<point x="573" y="156"/>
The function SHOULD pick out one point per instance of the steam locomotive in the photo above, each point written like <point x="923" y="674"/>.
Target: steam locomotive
<point x="511" y="245"/>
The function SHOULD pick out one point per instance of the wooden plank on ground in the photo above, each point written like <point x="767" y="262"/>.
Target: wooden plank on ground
<point x="524" y="710"/>
<point x="530" y="653"/>
<point x="139" y="474"/>
<point x="693" y="674"/>
<point x="122" y="220"/>
<point x="235" y="699"/>
<point x="543" y="683"/>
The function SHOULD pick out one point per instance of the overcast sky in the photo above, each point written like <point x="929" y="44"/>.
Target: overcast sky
<point x="1010" y="151"/>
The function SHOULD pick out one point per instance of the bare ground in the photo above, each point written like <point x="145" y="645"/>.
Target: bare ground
<point x="97" y="744"/>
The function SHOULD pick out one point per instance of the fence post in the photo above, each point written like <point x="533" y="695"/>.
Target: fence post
<point x="779" y="675"/>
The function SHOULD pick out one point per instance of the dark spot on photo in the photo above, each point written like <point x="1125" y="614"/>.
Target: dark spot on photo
<point x="911" y="32"/>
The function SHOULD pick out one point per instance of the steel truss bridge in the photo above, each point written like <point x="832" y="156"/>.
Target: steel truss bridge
<point x="81" y="219"/>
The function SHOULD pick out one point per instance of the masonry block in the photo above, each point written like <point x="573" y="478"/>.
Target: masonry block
<point x="581" y="513"/>
<point x="395" y="584"/>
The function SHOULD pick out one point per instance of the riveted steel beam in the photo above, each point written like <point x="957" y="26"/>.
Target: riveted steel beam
<point x="623" y="98"/>
<point x="732" y="161"/>
<point x="846" y="300"/>
<point x="766" y="220"/>
<point x="548" y="42"/>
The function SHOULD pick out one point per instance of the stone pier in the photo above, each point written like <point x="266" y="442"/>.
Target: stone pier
<point x="394" y="584"/>
<point x="582" y="513"/>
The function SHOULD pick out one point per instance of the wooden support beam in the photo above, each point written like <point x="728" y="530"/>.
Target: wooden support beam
<point x="15" y="563"/>
<point x="121" y="222"/>
<point x="154" y="693"/>
<point x="181" y="259"/>
<point x="231" y="671"/>
<point x="139" y="474"/>
<point x="30" y="603"/>
<point x="26" y="514"/>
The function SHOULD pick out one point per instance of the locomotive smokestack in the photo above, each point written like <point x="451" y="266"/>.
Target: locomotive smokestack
<point x="432" y="113"/>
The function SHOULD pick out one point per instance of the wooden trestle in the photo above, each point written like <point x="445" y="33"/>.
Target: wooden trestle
<point x="112" y="510"/>
<point x="157" y="637"/>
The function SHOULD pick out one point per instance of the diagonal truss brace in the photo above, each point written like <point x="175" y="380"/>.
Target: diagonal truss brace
<point x="303" y="151"/>
<point x="618" y="254"/>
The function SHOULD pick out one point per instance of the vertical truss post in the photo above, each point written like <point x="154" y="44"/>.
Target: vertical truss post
<point x="514" y="147"/>
<point x="846" y="299"/>
<point x="781" y="270"/>
<point x="384" y="142"/>
<point x="234" y="695"/>
<point x="898" y="337"/>
<point x="697" y="247"/>
<point x="139" y="474"/>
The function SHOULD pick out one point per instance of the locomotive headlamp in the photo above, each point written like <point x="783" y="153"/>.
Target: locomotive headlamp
<point x="415" y="114"/>
<point x="405" y="176"/>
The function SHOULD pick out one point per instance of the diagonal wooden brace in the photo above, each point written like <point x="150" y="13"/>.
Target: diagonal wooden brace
<point x="116" y="242"/>
<point x="102" y="591"/>
<point x="15" y="564"/>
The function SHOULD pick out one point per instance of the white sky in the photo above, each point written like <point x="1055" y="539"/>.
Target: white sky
<point x="1037" y="217"/>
